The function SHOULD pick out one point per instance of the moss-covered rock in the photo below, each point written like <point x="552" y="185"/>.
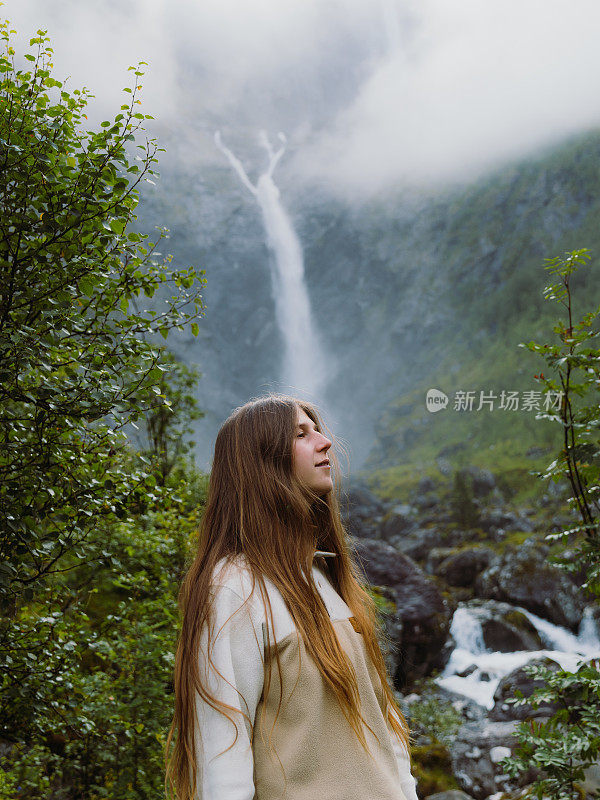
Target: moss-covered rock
<point x="462" y="568"/>
<point x="424" y="615"/>
<point x="432" y="769"/>
<point x="504" y="629"/>
<point x="519" y="681"/>
<point x="523" y="577"/>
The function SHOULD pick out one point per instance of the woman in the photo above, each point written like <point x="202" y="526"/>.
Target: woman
<point x="280" y="685"/>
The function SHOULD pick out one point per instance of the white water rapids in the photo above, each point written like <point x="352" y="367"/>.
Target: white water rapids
<point x="561" y="645"/>
<point x="304" y="363"/>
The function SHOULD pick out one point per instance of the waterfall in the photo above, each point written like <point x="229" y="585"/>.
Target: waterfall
<point x="466" y="631"/>
<point x="554" y="637"/>
<point x="475" y="672"/>
<point x="588" y="637"/>
<point x="304" y="363"/>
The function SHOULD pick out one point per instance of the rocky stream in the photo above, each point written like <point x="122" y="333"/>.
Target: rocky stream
<point x="465" y="608"/>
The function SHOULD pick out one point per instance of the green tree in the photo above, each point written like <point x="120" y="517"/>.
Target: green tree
<point x="110" y="676"/>
<point x="79" y="359"/>
<point x="563" y="746"/>
<point x="169" y="422"/>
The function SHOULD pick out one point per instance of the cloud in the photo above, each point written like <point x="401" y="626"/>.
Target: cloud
<point x="95" y="43"/>
<point x="217" y="51"/>
<point x="477" y="84"/>
<point x="372" y="94"/>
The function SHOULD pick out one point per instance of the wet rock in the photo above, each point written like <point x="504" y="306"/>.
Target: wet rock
<point x="425" y="496"/>
<point x="470" y="710"/>
<point x="462" y="568"/>
<point x="482" y="480"/>
<point x="435" y="557"/>
<point x="451" y="794"/>
<point x="418" y="543"/>
<point x="475" y="761"/>
<point x="504" y="628"/>
<point x="518" y="680"/>
<point x="399" y="521"/>
<point x="497" y="521"/>
<point x="392" y="622"/>
<point x="427" y="501"/>
<point x="420" y="607"/>
<point x="432" y="768"/>
<point x="362" y="511"/>
<point x="524" y="578"/>
<point x="426" y="484"/>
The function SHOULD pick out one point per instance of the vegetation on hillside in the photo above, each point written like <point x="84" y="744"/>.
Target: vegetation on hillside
<point x="487" y="299"/>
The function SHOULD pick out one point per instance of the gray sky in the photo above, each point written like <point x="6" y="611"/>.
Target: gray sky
<point x="372" y="94"/>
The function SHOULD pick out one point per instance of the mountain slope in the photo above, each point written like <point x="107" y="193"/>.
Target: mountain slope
<point x="408" y="292"/>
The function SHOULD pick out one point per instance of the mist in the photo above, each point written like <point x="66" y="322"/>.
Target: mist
<point x="371" y="95"/>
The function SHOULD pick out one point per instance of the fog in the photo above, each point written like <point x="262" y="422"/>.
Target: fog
<point x="371" y="95"/>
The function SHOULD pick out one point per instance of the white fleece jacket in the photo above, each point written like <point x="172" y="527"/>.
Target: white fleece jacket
<point x="237" y="679"/>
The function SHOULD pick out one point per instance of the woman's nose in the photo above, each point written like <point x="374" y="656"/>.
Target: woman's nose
<point x="325" y="444"/>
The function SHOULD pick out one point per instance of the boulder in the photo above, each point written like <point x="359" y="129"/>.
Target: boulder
<point x="420" y="607"/>
<point x="362" y="511"/>
<point x="497" y="521"/>
<point x="425" y="485"/>
<point x="518" y="680"/>
<point x="399" y="521"/>
<point x="425" y="496"/>
<point x="432" y="769"/>
<point x="591" y="781"/>
<point x="477" y="752"/>
<point x="417" y="543"/>
<point x="435" y="557"/>
<point x="482" y="480"/>
<point x="392" y="623"/>
<point x="462" y="568"/>
<point x="523" y="577"/>
<point x="468" y="709"/>
<point x="451" y="794"/>
<point x="504" y="628"/>
<point x="425" y="502"/>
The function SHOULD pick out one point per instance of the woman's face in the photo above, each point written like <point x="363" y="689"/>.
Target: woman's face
<point x="311" y="464"/>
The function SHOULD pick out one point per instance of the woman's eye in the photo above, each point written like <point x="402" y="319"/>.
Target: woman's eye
<point x="300" y="435"/>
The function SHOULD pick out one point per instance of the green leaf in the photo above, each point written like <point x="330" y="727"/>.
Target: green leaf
<point x="86" y="286"/>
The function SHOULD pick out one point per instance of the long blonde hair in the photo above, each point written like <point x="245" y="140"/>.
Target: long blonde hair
<point x="256" y="508"/>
